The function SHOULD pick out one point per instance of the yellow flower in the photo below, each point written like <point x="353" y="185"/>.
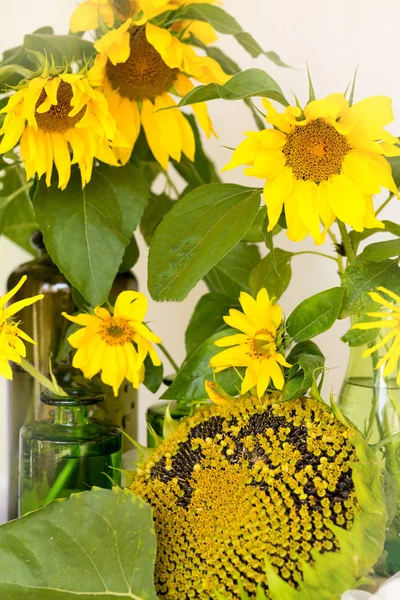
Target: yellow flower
<point x="115" y="344"/>
<point x="390" y="319"/>
<point x="90" y="13"/>
<point x="136" y="67"/>
<point x="321" y="163"/>
<point x="256" y="347"/>
<point x="51" y="115"/>
<point x="12" y="348"/>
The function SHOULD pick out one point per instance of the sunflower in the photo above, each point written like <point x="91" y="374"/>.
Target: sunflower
<point x="258" y="482"/>
<point x="117" y="343"/>
<point x="51" y="115"/>
<point x="89" y="14"/>
<point x="321" y="163"/>
<point x="390" y="319"/>
<point x="256" y="347"/>
<point x="135" y="67"/>
<point x="12" y="348"/>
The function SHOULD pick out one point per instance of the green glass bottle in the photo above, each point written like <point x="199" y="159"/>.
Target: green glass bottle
<point x="70" y="453"/>
<point x="372" y="402"/>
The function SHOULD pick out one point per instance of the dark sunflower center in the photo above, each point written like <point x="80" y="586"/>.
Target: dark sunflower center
<point x="144" y="74"/>
<point x="56" y="119"/>
<point x="116" y="332"/>
<point x="315" y="151"/>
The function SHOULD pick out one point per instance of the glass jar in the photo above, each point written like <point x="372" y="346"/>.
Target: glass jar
<point x="70" y="453"/>
<point x="372" y="402"/>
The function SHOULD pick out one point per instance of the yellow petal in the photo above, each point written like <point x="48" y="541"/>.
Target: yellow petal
<point x="346" y="201"/>
<point x="267" y="164"/>
<point x="328" y="108"/>
<point x="231" y="340"/>
<point x="276" y="190"/>
<point x="245" y="154"/>
<point x="131" y="305"/>
<point x="250" y="378"/>
<point x="7" y="297"/>
<point x="306" y="193"/>
<point x="152" y="132"/>
<point x="62" y="159"/>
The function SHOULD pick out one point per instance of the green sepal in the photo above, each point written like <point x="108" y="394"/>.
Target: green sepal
<point x="169" y="425"/>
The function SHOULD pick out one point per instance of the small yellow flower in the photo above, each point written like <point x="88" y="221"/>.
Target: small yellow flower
<point x="12" y="348"/>
<point x="115" y="344"/>
<point x="321" y="163"/>
<point x="137" y="67"/>
<point x="51" y="115"/>
<point x="256" y="347"/>
<point x="390" y="319"/>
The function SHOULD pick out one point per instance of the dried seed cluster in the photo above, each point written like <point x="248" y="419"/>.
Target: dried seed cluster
<point x="235" y="484"/>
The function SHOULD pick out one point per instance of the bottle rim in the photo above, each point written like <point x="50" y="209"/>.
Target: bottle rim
<point x="75" y="397"/>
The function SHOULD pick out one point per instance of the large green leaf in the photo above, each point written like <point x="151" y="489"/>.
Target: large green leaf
<point x="362" y="277"/>
<point x="247" y="84"/>
<point x="200" y="229"/>
<point x="224" y="23"/>
<point x="63" y="48"/>
<point x="206" y="319"/>
<point x="381" y="250"/>
<point x="16" y="216"/>
<point x="86" y="231"/>
<point x="315" y="314"/>
<point x="97" y="545"/>
<point x="273" y="272"/>
<point x="307" y="361"/>
<point x="155" y="211"/>
<point x="189" y="382"/>
<point x="231" y="275"/>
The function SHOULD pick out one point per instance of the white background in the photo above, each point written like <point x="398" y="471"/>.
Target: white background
<point x="335" y="38"/>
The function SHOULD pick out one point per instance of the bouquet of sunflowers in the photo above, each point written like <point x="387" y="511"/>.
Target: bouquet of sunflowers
<point x="263" y="490"/>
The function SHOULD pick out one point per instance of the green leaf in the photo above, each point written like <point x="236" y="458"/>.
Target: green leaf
<point x="131" y="256"/>
<point x="206" y="319"/>
<point x="381" y="250"/>
<point x="247" y="84"/>
<point x="358" y="237"/>
<point x="189" y="382"/>
<point x="155" y="211"/>
<point x="362" y="277"/>
<point x="86" y="231"/>
<point x="395" y="164"/>
<point x="11" y="74"/>
<point x="310" y="361"/>
<point x="16" y="216"/>
<point x="97" y="545"/>
<point x="256" y="234"/>
<point x="202" y="170"/>
<point x="315" y="315"/>
<point x="224" y="23"/>
<point x="63" y="48"/>
<point x="230" y="276"/>
<point x="153" y="377"/>
<point x="273" y="272"/>
<point x="200" y="229"/>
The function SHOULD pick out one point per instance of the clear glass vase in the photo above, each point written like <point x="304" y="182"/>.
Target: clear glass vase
<point x="372" y="402"/>
<point x="69" y="453"/>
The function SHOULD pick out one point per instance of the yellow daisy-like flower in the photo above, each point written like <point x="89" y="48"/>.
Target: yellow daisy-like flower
<point x="89" y="14"/>
<point x="321" y="163"/>
<point x="115" y="344"/>
<point x="256" y="347"/>
<point x="51" y="115"/>
<point x="12" y="348"/>
<point x="390" y="319"/>
<point x="136" y="67"/>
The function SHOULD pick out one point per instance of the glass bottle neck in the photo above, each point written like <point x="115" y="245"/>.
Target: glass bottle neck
<point x="71" y="415"/>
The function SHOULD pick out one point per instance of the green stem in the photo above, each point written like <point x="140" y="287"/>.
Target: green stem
<point x="384" y="204"/>
<point x="167" y="354"/>
<point x="316" y="254"/>
<point x="346" y="242"/>
<point x="339" y="257"/>
<point x="171" y="183"/>
<point x="61" y="480"/>
<point x="46" y="383"/>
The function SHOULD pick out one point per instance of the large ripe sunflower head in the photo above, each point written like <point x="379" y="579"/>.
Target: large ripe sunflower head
<point x="322" y="163"/>
<point x="51" y="116"/>
<point x="279" y="496"/>
<point x="138" y="67"/>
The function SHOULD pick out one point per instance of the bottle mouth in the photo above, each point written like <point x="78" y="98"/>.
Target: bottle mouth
<point x="74" y="397"/>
